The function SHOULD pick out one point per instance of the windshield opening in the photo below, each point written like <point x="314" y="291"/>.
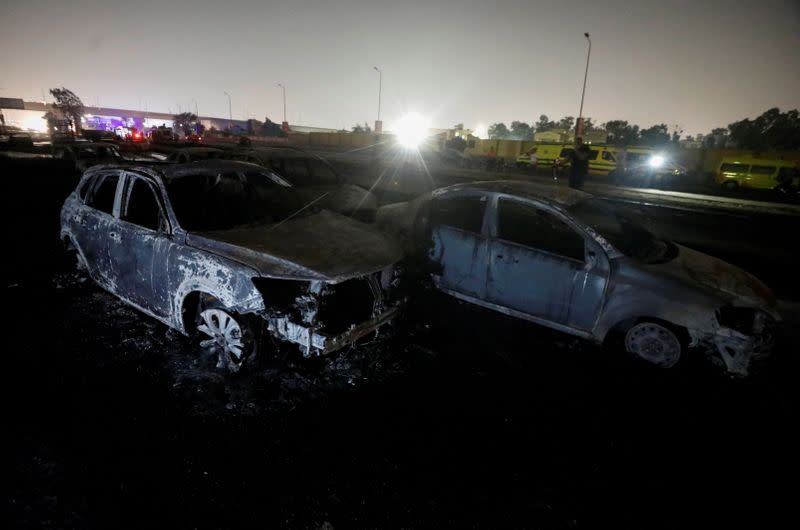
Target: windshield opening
<point x="227" y="199"/>
<point x="626" y="235"/>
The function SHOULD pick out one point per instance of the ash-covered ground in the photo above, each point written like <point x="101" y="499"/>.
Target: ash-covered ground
<point x="457" y="418"/>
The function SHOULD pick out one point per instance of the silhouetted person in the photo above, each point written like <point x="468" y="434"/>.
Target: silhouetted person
<point x="579" y="166"/>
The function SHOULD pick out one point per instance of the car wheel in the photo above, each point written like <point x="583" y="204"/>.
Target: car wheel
<point x="655" y="343"/>
<point x="730" y="185"/>
<point x="230" y="335"/>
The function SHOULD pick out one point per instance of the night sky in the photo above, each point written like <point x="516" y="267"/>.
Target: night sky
<point x="695" y="64"/>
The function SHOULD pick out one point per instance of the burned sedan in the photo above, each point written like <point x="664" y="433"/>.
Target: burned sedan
<point x="229" y="251"/>
<point x="314" y="177"/>
<point x="566" y="260"/>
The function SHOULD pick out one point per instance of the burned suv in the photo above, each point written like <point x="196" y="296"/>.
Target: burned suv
<point x="231" y="252"/>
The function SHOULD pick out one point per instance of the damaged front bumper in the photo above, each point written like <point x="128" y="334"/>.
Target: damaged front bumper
<point x="316" y="342"/>
<point x="739" y="351"/>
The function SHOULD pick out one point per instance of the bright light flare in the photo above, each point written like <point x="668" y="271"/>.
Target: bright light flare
<point x="411" y="130"/>
<point x="656" y="161"/>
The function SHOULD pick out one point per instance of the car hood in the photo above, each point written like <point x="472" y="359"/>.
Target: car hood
<point x="736" y="285"/>
<point x="322" y="246"/>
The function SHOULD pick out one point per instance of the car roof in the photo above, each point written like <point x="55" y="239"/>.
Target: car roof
<point x="282" y="152"/>
<point x="557" y="195"/>
<point x="170" y="172"/>
<point x="197" y="150"/>
<point x="85" y="144"/>
<point x="205" y="167"/>
<point x="757" y="161"/>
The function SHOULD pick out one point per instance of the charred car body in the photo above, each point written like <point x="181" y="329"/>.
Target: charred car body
<point x="228" y="250"/>
<point x="87" y="154"/>
<point x="564" y="259"/>
<point x="315" y="177"/>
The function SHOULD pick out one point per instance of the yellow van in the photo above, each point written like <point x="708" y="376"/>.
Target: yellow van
<point x="750" y="172"/>
<point x="546" y="154"/>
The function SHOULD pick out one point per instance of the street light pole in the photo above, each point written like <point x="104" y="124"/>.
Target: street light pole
<point x="378" y="123"/>
<point x="579" y="124"/>
<point x="284" y="101"/>
<point x="230" y="113"/>
<point x="197" y="118"/>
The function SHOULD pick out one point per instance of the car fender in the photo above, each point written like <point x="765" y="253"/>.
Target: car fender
<point x="656" y="298"/>
<point x="226" y="280"/>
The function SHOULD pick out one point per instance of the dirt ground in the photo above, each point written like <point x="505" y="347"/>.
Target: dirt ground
<point x="459" y="418"/>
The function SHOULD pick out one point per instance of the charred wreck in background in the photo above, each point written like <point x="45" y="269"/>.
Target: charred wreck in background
<point x="567" y="260"/>
<point x="230" y="250"/>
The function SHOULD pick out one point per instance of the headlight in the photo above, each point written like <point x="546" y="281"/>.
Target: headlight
<point x="656" y="161"/>
<point x="741" y="319"/>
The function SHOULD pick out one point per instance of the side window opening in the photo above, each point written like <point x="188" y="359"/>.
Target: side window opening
<point x="734" y="168"/>
<point x="762" y="170"/>
<point x="608" y="156"/>
<point x="102" y="198"/>
<point x="85" y="186"/>
<point x="142" y="207"/>
<point x="532" y="227"/>
<point x="464" y="213"/>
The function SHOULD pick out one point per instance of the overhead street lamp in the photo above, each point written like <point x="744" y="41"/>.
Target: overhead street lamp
<point x="230" y="113"/>
<point x="579" y="123"/>
<point x="378" y="122"/>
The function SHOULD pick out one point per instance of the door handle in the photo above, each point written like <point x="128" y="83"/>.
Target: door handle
<point x="115" y="236"/>
<point x="499" y="256"/>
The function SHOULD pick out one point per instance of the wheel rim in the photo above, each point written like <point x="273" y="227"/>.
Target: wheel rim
<point x="653" y="343"/>
<point x="224" y="335"/>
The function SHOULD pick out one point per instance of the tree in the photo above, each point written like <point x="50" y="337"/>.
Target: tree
<point x="69" y="105"/>
<point x="544" y="124"/>
<point x="717" y="138"/>
<point x="358" y="128"/>
<point x="457" y="143"/>
<point x="565" y="123"/>
<point x="620" y="133"/>
<point x="188" y="123"/>
<point x="498" y="131"/>
<point x="772" y="130"/>
<point x="521" y="131"/>
<point x="655" y="136"/>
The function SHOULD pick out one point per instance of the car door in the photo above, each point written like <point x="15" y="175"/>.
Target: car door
<point x="139" y="253"/>
<point x="459" y="244"/>
<point x="542" y="266"/>
<point x="97" y="224"/>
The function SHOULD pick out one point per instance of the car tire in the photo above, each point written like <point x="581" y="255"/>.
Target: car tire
<point x="233" y="337"/>
<point x="656" y="343"/>
<point x="730" y="185"/>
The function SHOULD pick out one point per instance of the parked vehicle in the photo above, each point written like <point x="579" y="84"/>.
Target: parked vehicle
<point x="759" y="173"/>
<point x="228" y="251"/>
<point x="17" y="141"/>
<point x="653" y="172"/>
<point x="546" y="155"/>
<point x="315" y="178"/>
<point x="566" y="260"/>
<point x="195" y="154"/>
<point x="87" y="154"/>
